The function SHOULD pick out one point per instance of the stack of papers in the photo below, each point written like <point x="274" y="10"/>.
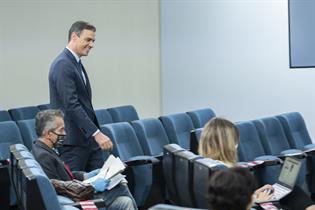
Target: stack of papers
<point x="111" y="170"/>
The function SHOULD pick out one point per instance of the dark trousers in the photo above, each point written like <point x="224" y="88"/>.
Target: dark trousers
<point x="80" y="158"/>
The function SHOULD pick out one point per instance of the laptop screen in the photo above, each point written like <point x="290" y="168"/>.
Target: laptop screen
<point x="289" y="172"/>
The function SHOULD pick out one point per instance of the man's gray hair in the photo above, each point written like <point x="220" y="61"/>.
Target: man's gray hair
<point x="78" y="27"/>
<point x="46" y="121"/>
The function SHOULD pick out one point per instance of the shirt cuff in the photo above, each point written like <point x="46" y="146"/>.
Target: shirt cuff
<point x="96" y="132"/>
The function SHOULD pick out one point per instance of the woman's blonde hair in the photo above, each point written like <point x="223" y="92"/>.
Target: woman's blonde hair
<point x="218" y="141"/>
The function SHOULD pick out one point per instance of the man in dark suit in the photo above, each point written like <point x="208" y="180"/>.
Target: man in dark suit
<point x="70" y="91"/>
<point x="50" y="129"/>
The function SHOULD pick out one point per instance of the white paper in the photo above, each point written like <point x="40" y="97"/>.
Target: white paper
<point x="115" y="181"/>
<point x="112" y="167"/>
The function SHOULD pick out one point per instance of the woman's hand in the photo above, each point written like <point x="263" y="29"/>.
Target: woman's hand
<point x="264" y="193"/>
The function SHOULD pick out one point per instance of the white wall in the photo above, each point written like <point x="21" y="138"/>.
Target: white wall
<point x="232" y="56"/>
<point x="123" y="67"/>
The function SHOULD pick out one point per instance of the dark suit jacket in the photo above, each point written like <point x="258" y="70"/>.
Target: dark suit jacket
<point x="51" y="163"/>
<point x="69" y="93"/>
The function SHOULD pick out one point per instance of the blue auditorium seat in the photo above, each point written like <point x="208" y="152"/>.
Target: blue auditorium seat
<point x="151" y="135"/>
<point x="38" y="192"/>
<point x="4" y="116"/>
<point x="250" y="148"/>
<point x="125" y="113"/>
<point x="9" y="133"/>
<point x="103" y="116"/>
<point x="200" y="117"/>
<point x="275" y="142"/>
<point x="28" y="132"/>
<point x="195" y="139"/>
<point x="296" y="132"/>
<point x="43" y="106"/>
<point x="169" y="171"/>
<point x="178" y="128"/>
<point x="298" y="137"/>
<point x="250" y="145"/>
<point x="24" y="113"/>
<point x="18" y="152"/>
<point x="202" y="170"/>
<point x="184" y="177"/>
<point x="127" y="147"/>
<point x="124" y="138"/>
<point x="272" y="137"/>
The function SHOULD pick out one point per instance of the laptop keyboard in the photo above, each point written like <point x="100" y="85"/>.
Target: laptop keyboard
<point x="280" y="191"/>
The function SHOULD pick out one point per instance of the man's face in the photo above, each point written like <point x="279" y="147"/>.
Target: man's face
<point x="85" y="42"/>
<point x="60" y="130"/>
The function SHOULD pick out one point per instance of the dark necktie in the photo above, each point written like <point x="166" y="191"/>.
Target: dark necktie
<point x="82" y="72"/>
<point x="68" y="170"/>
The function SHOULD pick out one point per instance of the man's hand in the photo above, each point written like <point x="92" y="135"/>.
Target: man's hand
<point x="100" y="185"/>
<point x="103" y="141"/>
<point x="91" y="173"/>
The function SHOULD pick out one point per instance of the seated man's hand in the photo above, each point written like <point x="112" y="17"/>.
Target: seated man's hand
<point x="100" y="185"/>
<point x="91" y="173"/>
<point x="103" y="141"/>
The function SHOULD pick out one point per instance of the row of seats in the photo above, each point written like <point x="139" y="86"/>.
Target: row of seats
<point x="149" y="135"/>
<point x="186" y="176"/>
<point x="129" y="140"/>
<point x="32" y="187"/>
<point x="115" y="114"/>
<point x="22" y="113"/>
<point x="148" y="127"/>
<point x="280" y="135"/>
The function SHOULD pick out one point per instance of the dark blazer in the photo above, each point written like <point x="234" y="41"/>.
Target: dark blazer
<point x="52" y="164"/>
<point x="69" y="93"/>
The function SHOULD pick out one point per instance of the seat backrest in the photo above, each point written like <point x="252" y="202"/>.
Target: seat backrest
<point x="125" y="113"/>
<point x="18" y="152"/>
<point x="28" y="132"/>
<point x="43" y="106"/>
<point x="4" y="116"/>
<point x="126" y="144"/>
<point x="184" y="177"/>
<point x="295" y="129"/>
<point x="151" y="135"/>
<point x="250" y="145"/>
<point x="9" y="133"/>
<point x="169" y="170"/>
<point x="103" y="116"/>
<point x="200" y="117"/>
<point x="178" y="128"/>
<point x="271" y="135"/>
<point x="202" y="170"/>
<point x="194" y="139"/>
<point x="24" y="113"/>
<point x="39" y="193"/>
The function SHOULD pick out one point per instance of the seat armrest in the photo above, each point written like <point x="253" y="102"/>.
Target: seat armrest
<point x="262" y="161"/>
<point x="141" y="160"/>
<point x="159" y="156"/>
<point x="295" y="155"/>
<point x="273" y="162"/>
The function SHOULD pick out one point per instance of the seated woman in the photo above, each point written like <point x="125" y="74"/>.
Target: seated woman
<point x="219" y="140"/>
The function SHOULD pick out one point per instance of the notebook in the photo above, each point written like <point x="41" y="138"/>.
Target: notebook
<point x="287" y="178"/>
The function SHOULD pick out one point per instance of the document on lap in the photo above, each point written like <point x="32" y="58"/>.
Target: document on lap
<point x="111" y="170"/>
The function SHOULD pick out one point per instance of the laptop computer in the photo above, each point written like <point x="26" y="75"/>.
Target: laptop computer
<point x="287" y="178"/>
